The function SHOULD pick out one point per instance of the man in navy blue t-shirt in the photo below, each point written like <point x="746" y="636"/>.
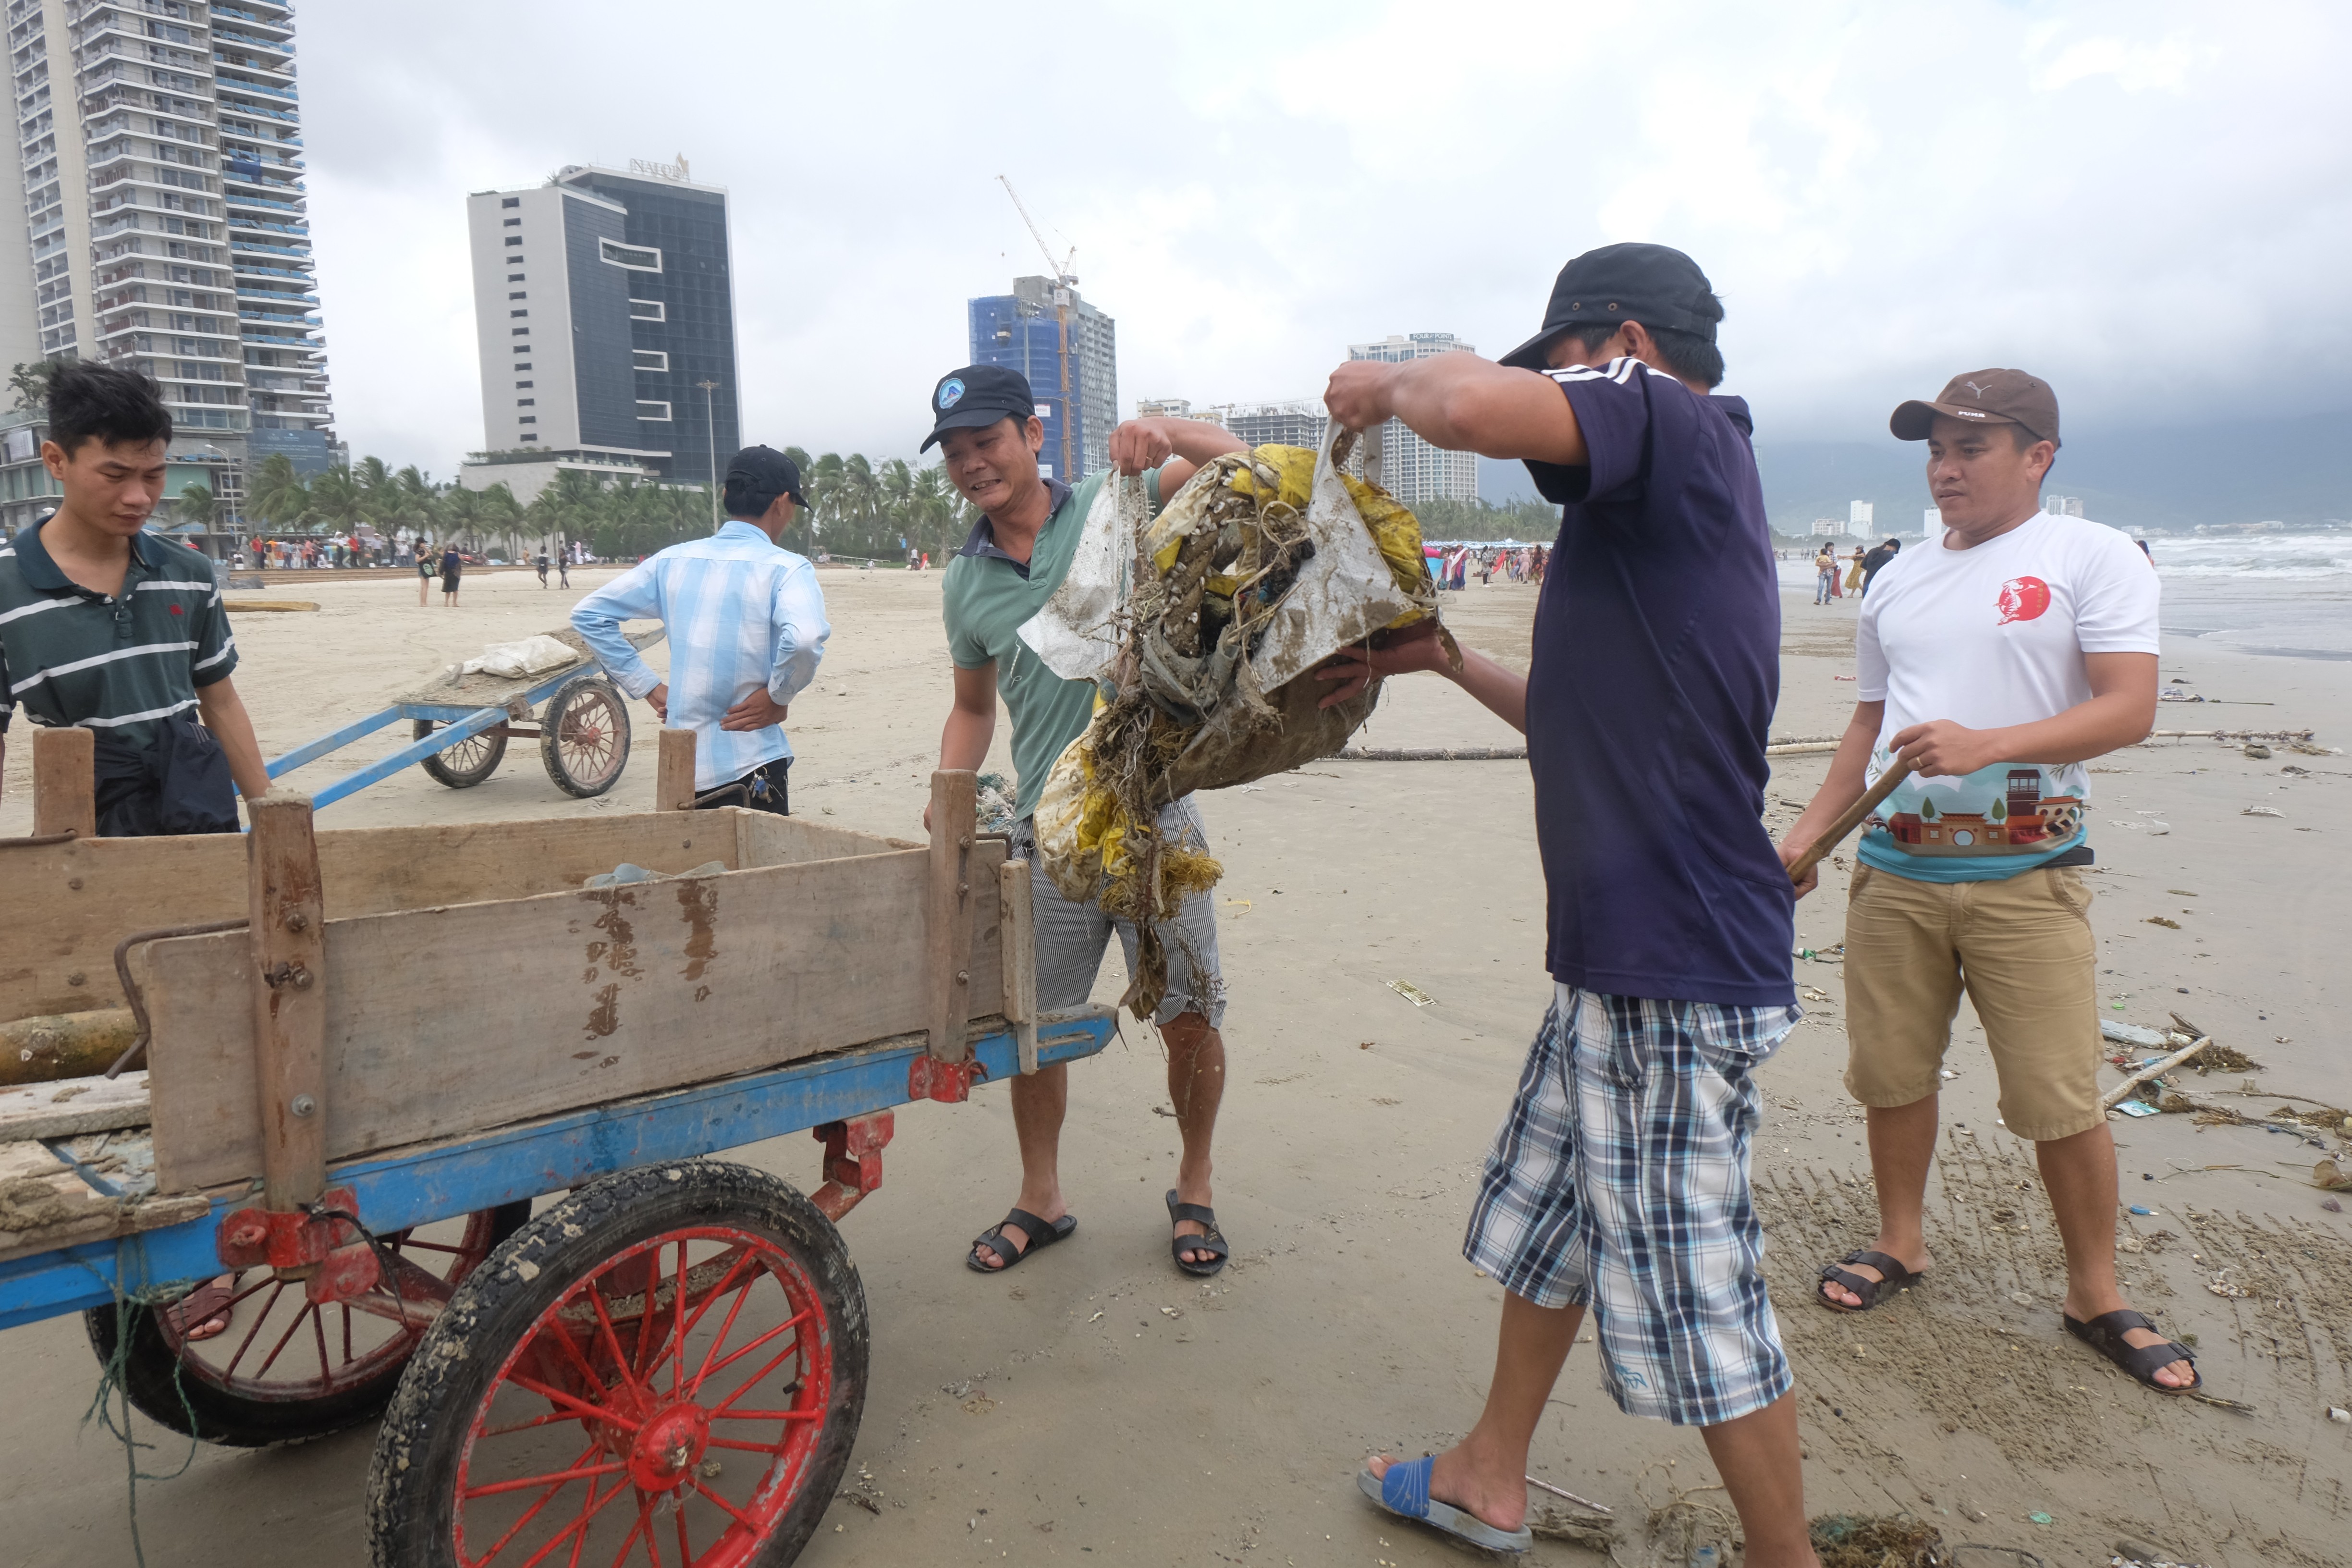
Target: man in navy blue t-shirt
<point x="1620" y="1178"/>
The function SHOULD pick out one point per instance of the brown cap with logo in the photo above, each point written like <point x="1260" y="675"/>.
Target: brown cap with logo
<point x="1993" y="396"/>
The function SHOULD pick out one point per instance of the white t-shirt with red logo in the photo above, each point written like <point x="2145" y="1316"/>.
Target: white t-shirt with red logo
<point x="1988" y="638"/>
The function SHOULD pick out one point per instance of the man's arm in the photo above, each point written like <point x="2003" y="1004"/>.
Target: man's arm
<point x="970" y="726"/>
<point x="223" y="711"/>
<point x="1463" y="403"/>
<point x="1497" y="690"/>
<point x="797" y="614"/>
<point x="634" y="596"/>
<point x="2121" y="711"/>
<point x="1848" y="771"/>
<point x="1177" y="447"/>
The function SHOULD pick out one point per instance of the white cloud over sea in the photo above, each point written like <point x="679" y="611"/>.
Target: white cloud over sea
<point x="2146" y="202"/>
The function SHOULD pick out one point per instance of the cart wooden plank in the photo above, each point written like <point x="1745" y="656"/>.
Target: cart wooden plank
<point x="76" y="1105"/>
<point x="65" y="905"/>
<point x="446" y="1021"/>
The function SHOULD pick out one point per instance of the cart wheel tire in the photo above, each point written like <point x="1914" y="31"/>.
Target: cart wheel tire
<point x="549" y="1416"/>
<point x="213" y="1391"/>
<point x="583" y="736"/>
<point x="467" y="763"/>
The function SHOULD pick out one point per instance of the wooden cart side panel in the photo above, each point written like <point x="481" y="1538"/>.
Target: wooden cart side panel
<point x="766" y="839"/>
<point x="64" y="906"/>
<point x="447" y="1021"/>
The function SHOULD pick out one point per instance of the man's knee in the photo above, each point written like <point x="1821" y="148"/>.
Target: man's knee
<point x="1189" y="1032"/>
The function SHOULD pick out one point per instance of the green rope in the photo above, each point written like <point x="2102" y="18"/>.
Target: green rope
<point x="114" y="1382"/>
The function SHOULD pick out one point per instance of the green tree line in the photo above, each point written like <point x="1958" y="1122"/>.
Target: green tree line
<point x="856" y="508"/>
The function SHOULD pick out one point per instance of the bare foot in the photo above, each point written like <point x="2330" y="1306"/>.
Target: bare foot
<point x="1500" y="1500"/>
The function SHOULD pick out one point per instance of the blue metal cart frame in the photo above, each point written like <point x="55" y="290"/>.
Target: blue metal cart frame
<point x="444" y="1180"/>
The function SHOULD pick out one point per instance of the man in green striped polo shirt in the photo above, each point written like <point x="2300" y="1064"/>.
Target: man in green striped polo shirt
<point x="105" y="625"/>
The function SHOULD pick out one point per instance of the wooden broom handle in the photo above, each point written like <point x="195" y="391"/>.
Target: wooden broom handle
<point x="1848" y="820"/>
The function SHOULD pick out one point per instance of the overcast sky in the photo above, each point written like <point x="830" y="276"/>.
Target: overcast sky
<point x="2146" y="202"/>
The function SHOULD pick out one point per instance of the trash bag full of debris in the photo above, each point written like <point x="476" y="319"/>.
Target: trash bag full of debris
<point x="1201" y="632"/>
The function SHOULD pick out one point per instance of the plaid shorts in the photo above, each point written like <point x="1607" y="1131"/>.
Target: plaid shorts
<point x="1619" y="1179"/>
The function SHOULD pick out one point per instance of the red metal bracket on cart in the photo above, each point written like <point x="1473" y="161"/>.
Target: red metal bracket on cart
<point x="853" y="1160"/>
<point x="323" y="1248"/>
<point x="949" y="1083"/>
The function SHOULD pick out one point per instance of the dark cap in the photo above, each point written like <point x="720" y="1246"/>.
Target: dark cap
<point x="1989" y="396"/>
<point x="1655" y="285"/>
<point x="760" y="474"/>
<point x="976" y="396"/>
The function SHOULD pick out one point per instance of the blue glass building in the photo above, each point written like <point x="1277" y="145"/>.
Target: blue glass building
<point x="1022" y="331"/>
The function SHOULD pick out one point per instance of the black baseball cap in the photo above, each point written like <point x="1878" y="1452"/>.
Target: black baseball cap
<point x="1987" y="397"/>
<point x="1655" y="285"/>
<point x="977" y="396"/>
<point x="766" y="472"/>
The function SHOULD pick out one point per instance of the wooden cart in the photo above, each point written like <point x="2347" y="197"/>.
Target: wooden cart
<point x="371" y="1050"/>
<point x="459" y="726"/>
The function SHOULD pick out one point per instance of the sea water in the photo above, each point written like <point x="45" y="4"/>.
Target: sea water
<point x="2284" y="594"/>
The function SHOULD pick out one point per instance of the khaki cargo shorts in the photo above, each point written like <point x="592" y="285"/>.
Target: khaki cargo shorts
<point x="2022" y="950"/>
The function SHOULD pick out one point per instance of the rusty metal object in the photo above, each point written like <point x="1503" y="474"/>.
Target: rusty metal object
<point x="852" y="1161"/>
<point x="137" y="998"/>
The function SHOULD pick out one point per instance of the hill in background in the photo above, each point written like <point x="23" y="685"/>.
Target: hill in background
<point x="2295" y="471"/>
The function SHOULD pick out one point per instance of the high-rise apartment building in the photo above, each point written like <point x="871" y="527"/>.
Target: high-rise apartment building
<point x="1023" y="330"/>
<point x="1300" y="421"/>
<point x="605" y="305"/>
<point x="1411" y="469"/>
<point x="165" y="221"/>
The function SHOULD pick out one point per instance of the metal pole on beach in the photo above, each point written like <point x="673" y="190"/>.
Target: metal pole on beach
<point x="711" y="428"/>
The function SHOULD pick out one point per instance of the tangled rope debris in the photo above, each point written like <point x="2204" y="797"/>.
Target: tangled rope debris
<point x="1261" y="567"/>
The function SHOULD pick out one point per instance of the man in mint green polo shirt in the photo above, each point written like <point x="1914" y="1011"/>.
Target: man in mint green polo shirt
<point x="1017" y="555"/>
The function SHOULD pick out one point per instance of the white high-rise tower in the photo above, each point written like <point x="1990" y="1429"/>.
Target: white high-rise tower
<point x="164" y="223"/>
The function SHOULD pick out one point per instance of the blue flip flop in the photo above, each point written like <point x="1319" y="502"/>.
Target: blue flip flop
<point x="1404" y="1491"/>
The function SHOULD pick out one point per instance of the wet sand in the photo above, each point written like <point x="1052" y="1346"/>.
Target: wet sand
<point x="1060" y="1415"/>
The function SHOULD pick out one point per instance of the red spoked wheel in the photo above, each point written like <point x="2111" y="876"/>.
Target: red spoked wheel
<point x="583" y="736"/>
<point x="666" y="1368"/>
<point x="287" y="1368"/>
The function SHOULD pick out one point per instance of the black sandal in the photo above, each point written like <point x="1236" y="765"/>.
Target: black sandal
<point x="2104" y="1334"/>
<point x="1214" y="1243"/>
<point x="1872" y="1292"/>
<point x="1041" y="1234"/>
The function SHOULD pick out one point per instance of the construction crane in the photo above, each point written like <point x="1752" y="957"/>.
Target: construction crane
<point x="1065" y="282"/>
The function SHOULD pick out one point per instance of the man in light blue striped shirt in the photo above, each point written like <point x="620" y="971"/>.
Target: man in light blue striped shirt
<point x="746" y="625"/>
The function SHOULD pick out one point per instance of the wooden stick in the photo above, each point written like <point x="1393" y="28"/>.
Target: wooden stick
<point x="65" y="787"/>
<point x="947" y="915"/>
<point x="674" y="771"/>
<point x="2122" y="1091"/>
<point x="2229" y="734"/>
<point x="1563" y="1492"/>
<point x="289" y="999"/>
<point x="1017" y="916"/>
<point x="1849" y="820"/>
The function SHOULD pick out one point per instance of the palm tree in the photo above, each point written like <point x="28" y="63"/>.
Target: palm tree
<point x="278" y="495"/>
<point x="495" y="509"/>
<point x="337" y="499"/>
<point x="196" y="503"/>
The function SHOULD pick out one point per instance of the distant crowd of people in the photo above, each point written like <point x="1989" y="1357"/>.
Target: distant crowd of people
<point x="1834" y="578"/>
<point x="1451" y="567"/>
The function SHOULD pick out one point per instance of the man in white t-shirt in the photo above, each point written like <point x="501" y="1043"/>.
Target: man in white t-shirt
<point x="1997" y="661"/>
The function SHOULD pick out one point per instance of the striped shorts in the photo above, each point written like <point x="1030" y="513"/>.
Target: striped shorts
<point x="1620" y="1180"/>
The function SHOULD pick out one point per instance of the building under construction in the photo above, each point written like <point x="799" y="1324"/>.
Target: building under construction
<point x="1023" y="330"/>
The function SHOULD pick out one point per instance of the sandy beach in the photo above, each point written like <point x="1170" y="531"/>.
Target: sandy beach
<point x="1097" y="1406"/>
